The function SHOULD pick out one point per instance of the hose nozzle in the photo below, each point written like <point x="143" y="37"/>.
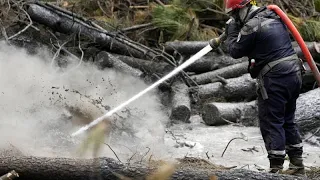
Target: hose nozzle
<point x="215" y="42"/>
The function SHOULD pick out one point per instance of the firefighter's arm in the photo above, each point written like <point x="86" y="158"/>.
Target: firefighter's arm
<point x="240" y="41"/>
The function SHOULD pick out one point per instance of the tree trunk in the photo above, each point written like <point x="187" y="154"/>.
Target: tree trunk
<point x="105" y="59"/>
<point x="212" y="61"/>
<point x="238" y="89"/>
<point x="43" y="168"/>
<point x="181" y="110"/>
<point x="308" y="112"/>
<point x="232" y="71"/>
<point x="68" y="24"/>
<point x="246" y="113"/>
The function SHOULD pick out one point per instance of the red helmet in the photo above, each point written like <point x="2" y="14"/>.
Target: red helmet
<point x="231" y="5"/>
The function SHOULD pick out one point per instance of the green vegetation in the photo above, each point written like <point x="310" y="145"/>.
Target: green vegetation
<point x="175" y="20"/>
<point x="317" y="5"/>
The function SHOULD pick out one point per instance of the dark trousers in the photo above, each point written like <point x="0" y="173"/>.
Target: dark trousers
<point x="277" y="114"/>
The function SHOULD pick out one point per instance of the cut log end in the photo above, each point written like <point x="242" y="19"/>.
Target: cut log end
<point x="181" y="113"/>
<point x="210" y="114"/>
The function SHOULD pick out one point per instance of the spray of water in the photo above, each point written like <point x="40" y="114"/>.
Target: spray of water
<point x="197" y="56"/>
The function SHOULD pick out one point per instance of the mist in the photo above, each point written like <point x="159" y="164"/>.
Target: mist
<point x="42" y="105"/>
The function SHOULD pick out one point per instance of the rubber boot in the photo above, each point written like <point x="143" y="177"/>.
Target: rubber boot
<point x="276" y="165"/>
<point x="296" y="167"/>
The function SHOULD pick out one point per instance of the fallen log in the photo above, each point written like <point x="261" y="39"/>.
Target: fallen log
<point x="68" y="23"/>
<point x="181" y="110"/>
<point x="238" y="89"/>
<point x="308" y="112"/>
<point x="231" y="71"/>
<point x="313" y="47"/>
<point x="212" y="61"/>
<point x="185" y="47"/>
<point x="104" y="59"/>
<point x="44" y="168"/>
<point x="149" y="67"/>
<point x="246" y="113"/>
<point x="192" y="47"/>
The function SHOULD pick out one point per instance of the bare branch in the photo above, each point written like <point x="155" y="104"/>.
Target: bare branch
<point x="243" y="138"/>
<point x="113" y="151"/>
<point x="56" y="54"/>
<point x="145" y="154"/>
<point x="24" y="29"/>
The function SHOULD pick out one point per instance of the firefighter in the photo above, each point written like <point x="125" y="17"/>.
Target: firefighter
<point x="260" y="35"/>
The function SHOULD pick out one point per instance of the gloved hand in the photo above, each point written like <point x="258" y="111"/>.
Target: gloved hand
<point x="232" y="28"/>
<point x="215" y="42"/>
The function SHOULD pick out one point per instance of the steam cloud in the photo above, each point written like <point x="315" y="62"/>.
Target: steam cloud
<point x="41" y="105"/>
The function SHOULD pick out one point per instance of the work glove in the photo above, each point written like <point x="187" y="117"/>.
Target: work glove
<point x="215" y="42"/>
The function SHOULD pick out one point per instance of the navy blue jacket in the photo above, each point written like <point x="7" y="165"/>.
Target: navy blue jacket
<point x="265" y="38"/>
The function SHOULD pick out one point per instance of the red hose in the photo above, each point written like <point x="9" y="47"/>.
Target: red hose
<point x="299" y="39"/>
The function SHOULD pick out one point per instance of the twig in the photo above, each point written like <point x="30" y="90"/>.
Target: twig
<point x="131" y="158"/>
<point x="136" y="27"/>
<point x="159" y="2"/>
<point x="82" y="53"/>
<point x="259" y="168"/>
<point x="245" y="166"/>
<point x="313" y="134"/>
<point x="113" y="151"/>
<point x="25" y="28"/>
<point x="222" y="80"/>
<point x="224" y="119"/>
<point x="4" y="32"/>
<point x="9" y="6"/>
<point x="100" y="7"/>
<point x="230" y="142"/>
<point x="207" y="155"/>
<point x="56" y="54"/>
<point x="145" y="154"/>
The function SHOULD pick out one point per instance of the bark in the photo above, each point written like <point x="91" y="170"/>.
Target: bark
<point x="231" y="71"/>
<point x="70" y="24"/>
<point x="105" y="59"/>
<point x="192" y="47"/>
<point x="238" y="89"/>
<point x="307" y="113"/>
<point x="246" y="113"/>
<point x="212" y="61"/>
<point x="313" y="47"/>
<point x="43" y="168"/>
<point x="149" y="67"/>
<point x="181" y="110"/>
<point x="185" y="47"/>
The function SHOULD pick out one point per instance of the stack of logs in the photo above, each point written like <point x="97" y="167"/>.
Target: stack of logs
<point x="216" y="86"/>
<point x="225" y="92"/>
